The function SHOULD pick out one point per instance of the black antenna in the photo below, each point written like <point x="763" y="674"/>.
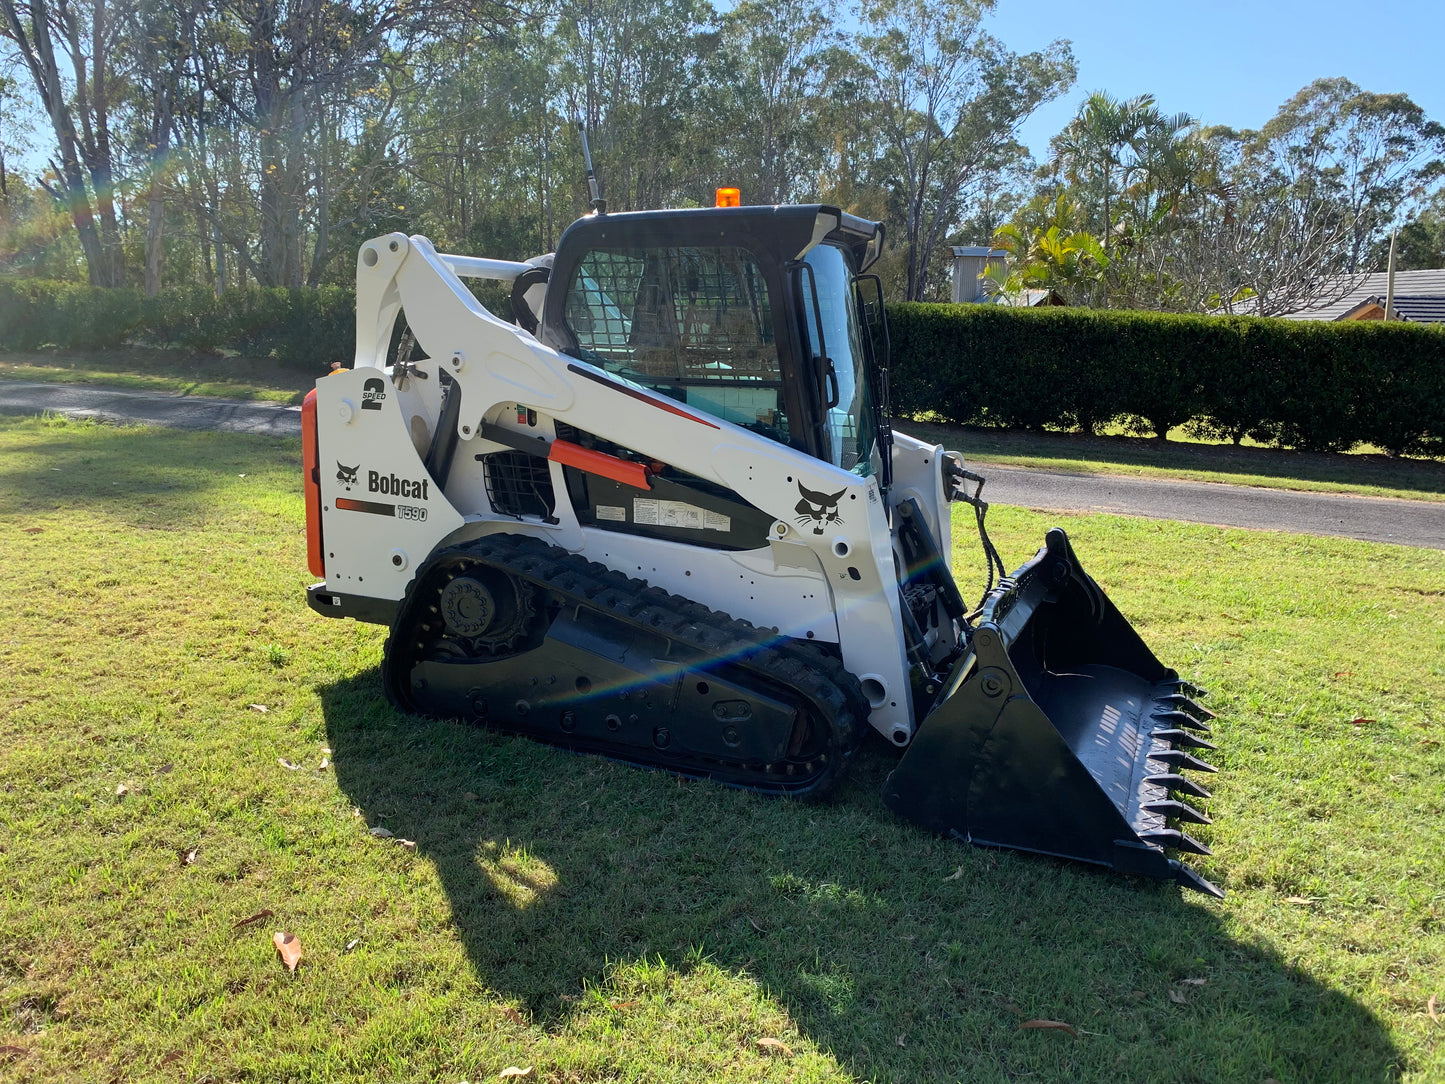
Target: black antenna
<point x="598" y="204"/>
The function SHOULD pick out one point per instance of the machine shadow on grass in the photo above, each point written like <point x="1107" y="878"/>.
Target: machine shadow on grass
<point x="900" y="955"/>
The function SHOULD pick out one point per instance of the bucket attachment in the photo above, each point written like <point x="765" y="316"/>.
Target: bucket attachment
<point x="1060" y="733"/>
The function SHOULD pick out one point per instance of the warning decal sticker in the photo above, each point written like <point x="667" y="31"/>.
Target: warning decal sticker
<point x="678" y="514"/>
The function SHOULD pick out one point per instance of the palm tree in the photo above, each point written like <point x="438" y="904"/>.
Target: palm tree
<point x="1093" y="148"/>
<point x="1127" y="150"/>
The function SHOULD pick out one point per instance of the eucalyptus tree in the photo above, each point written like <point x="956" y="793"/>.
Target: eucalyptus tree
<point x="948" y="100"/>
<point x="67" y="52"/>
<point x="630" y="71"/>
<point x="479" y="142"/>
<point x="1300" y="202"/>
<point x="280" y="72"/>
<point x="1362" y="153"/>
<point x="763" y="109"/>
<point x="10" y="129"/>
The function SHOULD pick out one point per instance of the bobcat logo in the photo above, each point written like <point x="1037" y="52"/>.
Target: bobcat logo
<point x="347" y="475"/>
<point x="817" y="508"/>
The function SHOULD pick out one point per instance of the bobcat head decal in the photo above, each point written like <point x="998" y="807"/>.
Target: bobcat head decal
<point x="347" y="475"/>
<point x="817" y="508"/>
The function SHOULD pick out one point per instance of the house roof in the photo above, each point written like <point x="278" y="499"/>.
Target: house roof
<point x="1028" y="299"/>
<point x="1426" y="289"/>
<point x="1418" y="308"/>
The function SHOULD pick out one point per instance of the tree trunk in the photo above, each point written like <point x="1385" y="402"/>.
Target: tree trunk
<point x="156" y="198"/>
<point x="39" y="57"/>
<point x="102" y="176"/>
<point x="155" y="237"/>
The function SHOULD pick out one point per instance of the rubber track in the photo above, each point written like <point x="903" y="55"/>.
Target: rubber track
<point x="805" y="670"/>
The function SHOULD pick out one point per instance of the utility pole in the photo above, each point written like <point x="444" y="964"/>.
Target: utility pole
<point x="1390" y="279"/>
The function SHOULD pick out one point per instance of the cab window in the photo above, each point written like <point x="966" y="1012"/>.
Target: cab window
<point x="694" y="323"/>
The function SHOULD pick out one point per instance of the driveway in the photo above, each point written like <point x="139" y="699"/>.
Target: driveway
<point x="1374" y="519"/>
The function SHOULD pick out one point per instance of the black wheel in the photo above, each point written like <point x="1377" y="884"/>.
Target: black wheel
<point x="484" y="608"/>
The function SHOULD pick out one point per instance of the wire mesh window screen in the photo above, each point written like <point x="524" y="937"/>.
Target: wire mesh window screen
<point x="675" y="316"/>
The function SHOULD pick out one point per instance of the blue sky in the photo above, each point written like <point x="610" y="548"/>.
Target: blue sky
<point x="1228" y="62"/>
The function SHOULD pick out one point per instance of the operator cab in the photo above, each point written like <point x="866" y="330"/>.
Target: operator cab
<point x="750" y="314"/>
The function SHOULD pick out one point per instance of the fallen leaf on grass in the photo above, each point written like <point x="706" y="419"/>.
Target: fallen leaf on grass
<point x="512" y="1070"/>
<point x="901" y="1041"/>
<point x="1360" y="720"/>
<point x="188" y="858"/>
<point x="262" y="708"/>
<point x="352" y="944"/>
<point x="621" y="1006"/>
<point x="1344" y="673"/>
<point x="289" y="948"/>
<point x="325" y="763"/>
<point x="12" y="1051"/>
<point x="1178" y="998"/>
<point x="955" y="875"/>
<point x="1193" y="982"/>
<point x="288" y="765"/>
<point x="514" y="1016"/>
<point x="407" y="844"/>
<point x="381" y="833"/>
<point x="172" y="1057"/>
<point x="775" y="1046"/>
<point x="257" y="917"/>
<point x="755" y="926"/>
<point x="121" y="790"/>
<point x="1430" y="1009"/>
<point x="469" y="796"/>
<point x="1049" y="1025"/>
<point x="33" y="530"/>
<point x="1299" y="901"/>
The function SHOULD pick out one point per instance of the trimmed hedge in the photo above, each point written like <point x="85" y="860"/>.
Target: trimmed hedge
<point x="1297" y="384"/>
<point x="301" y="327"/>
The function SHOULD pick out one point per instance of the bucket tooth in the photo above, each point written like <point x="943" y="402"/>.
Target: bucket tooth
<point x="1184" y="738"/>
<point x="1179" y="810"/>
<point x="1173" y="837"/>
<point x="1179" y="783"/>
<point x="1189" y="879"/>
<point x="1181" y="718"/>
<point x="1180" y="702"/>
<point x="1180" y="759"/>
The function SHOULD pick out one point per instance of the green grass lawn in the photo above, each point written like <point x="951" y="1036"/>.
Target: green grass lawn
<point x="174" y="371"/>
<point x="598" y="923"/>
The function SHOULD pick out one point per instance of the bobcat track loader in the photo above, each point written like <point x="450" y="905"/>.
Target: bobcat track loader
<point x="661" y="516"/>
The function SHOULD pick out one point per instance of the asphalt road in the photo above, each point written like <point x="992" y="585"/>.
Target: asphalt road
<point x="1374" y="519"/>
<point x="151" y="408"/>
